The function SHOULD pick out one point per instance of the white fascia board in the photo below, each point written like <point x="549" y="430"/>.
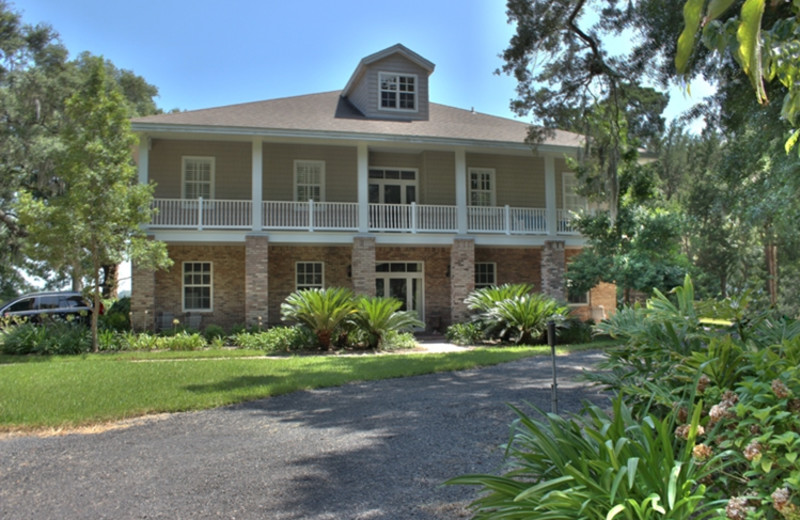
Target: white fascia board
<point x="216" y="132"/>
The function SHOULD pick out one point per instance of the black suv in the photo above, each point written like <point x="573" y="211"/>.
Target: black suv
<point x="33" y="307"/>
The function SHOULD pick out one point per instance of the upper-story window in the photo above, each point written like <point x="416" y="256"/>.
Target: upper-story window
<point x="481" y="187"/>
<point x="398" y="91"/>
<point x="198" y="177"/>
<point x="309" y="181"/>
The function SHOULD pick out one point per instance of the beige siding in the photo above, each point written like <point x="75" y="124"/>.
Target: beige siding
<point x="561" y="168"/>
<point x="340" y="170"/>
<point x="438" y="178"/>
<point x="232" y="179"/>
<point x="519" y="180"/>
<point x="366" y="94"/>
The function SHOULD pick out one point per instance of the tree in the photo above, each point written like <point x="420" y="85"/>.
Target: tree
<point x="36" y="79"/>
<point x="95" y="214"/>
<point x="762" y="37"/>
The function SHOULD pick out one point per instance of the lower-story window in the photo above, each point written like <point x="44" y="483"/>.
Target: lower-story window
<point x="485" y="274"/>
<point x="577" y="298"/>
<point x="308" y="275"/>
<point x="197" y="286"/>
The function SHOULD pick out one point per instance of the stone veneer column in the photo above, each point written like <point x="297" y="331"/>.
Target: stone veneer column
<point x="462" y="277"/>
<point x="143" y="298"/>
<point x="554" y="265"/>
<point x="363" y="266"/>
<point x="256" y="279"/>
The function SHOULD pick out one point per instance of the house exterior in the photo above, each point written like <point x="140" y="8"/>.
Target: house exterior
<point x="373" y="187"/>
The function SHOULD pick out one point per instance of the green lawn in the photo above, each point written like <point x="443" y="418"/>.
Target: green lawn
<point x="62" y="392"/>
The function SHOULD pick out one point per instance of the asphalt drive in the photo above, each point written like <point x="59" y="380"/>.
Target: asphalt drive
<point x="375" y="450"/>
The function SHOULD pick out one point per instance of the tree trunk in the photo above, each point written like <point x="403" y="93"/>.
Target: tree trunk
<point x="110" y="280"/>
<point x="771" y="256"/>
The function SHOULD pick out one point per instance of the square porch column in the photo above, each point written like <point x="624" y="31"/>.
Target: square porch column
<point x="554" y="267"/>
<point x="143" y="298"/>
<point x="550" y="195"/>
<point x="462" y="277"/>
<point x="461" y="191"/>
<point x="257" y="184"/>
<point x="256" y="283"/>
<point x="363" y="265"/>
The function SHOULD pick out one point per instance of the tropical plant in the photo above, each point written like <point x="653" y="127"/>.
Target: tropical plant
<point x="599" y="465"/>
<point x="377" y="315"/>
<point x="325" y="311"/>
<point x="464" y="334"/>
<point x="512" y="312"/>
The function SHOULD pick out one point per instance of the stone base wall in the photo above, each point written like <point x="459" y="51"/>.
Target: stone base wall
<point x="256" y="285"/>
<point x="143" y="299"/>
<point x="553" y="269"/>
<point x="462" y="277"/>
<point x="363" y="265"/>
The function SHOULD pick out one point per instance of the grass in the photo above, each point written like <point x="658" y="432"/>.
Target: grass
<point x="65" y="392"/>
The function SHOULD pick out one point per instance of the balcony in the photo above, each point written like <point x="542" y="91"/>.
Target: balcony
<point x="312" y="216"/>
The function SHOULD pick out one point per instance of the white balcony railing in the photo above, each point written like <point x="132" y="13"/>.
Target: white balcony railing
<point x="343" y="216"/>
<point x="202" y="214"/>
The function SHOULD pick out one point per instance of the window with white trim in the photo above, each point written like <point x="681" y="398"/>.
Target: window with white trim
<point x="481" y="187"/>
<point x="397" y="91"/>
<point x="309" y="275"/>
<point x="572" y="200"/>
<point x="485" y="274"/>
<point x="309" y="181"/>
<point x="198" y="177"/>
<point x="198" y="290"/>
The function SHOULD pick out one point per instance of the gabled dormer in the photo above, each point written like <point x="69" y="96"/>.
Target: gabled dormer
<point x="391" y="84"/>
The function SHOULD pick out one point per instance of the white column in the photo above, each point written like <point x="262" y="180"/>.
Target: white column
<point x="461" y="191"/>
<point x="257" y="183"/>
<point x="550" y="194"/>
<point x="362" y="166"/>
<point x="144" y="159"/>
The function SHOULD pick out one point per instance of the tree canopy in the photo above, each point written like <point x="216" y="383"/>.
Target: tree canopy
<point x="37" y="78"/>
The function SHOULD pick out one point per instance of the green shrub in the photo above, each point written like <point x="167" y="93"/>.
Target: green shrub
<point x="213" y="332"/>
<point x="182" y="341"/>
<point x="117" y="316"/>
<point x="464" y="334"/>
<point x="599" y="465"/>
<point x="139" y="341"/>
<point x="394" y="340"/>
<point x="574" y="330"/>
<point x="277" y="339"/>
<point x="54" y="337"/>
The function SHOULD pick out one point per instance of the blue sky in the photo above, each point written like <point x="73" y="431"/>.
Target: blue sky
<point x="201" y="56"/>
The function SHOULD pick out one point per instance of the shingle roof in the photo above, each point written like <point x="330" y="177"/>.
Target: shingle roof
<point x="330" y="113"/>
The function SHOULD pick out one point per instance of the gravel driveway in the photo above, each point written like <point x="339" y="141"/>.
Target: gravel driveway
<point x="376" y="450"/>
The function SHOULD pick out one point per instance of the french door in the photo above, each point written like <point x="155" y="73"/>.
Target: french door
<point x="404" y="281"/>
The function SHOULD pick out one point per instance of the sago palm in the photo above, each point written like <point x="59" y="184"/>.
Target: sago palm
<point x="377" y="315"/>
<point x="324" y="311"/>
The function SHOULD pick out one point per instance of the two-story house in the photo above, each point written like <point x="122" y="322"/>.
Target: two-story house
<point x="373" y="187"/>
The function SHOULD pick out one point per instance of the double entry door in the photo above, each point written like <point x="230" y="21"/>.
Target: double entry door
<point x="404" y="281"/>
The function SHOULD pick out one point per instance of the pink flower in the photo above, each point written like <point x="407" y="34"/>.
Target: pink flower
<point x="737" y="508"/>
<point x="701" y="452"/>
<point x="780" y="389"/>
<point x="753" y="451"/>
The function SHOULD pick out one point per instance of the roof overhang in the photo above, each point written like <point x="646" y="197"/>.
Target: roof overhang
<point x="160" y="130"/>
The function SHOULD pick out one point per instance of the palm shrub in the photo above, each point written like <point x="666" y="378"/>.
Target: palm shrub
<point x="513" y="312"/>
<point x="376" y="316"/>
<point x="325" y="311"/>
<point x="599" y="465"/>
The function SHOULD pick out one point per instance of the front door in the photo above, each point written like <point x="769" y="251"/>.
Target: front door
<point x="401" y="280"/>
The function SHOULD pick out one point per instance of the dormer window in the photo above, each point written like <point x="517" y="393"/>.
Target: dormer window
<point x="398" y="91"/>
